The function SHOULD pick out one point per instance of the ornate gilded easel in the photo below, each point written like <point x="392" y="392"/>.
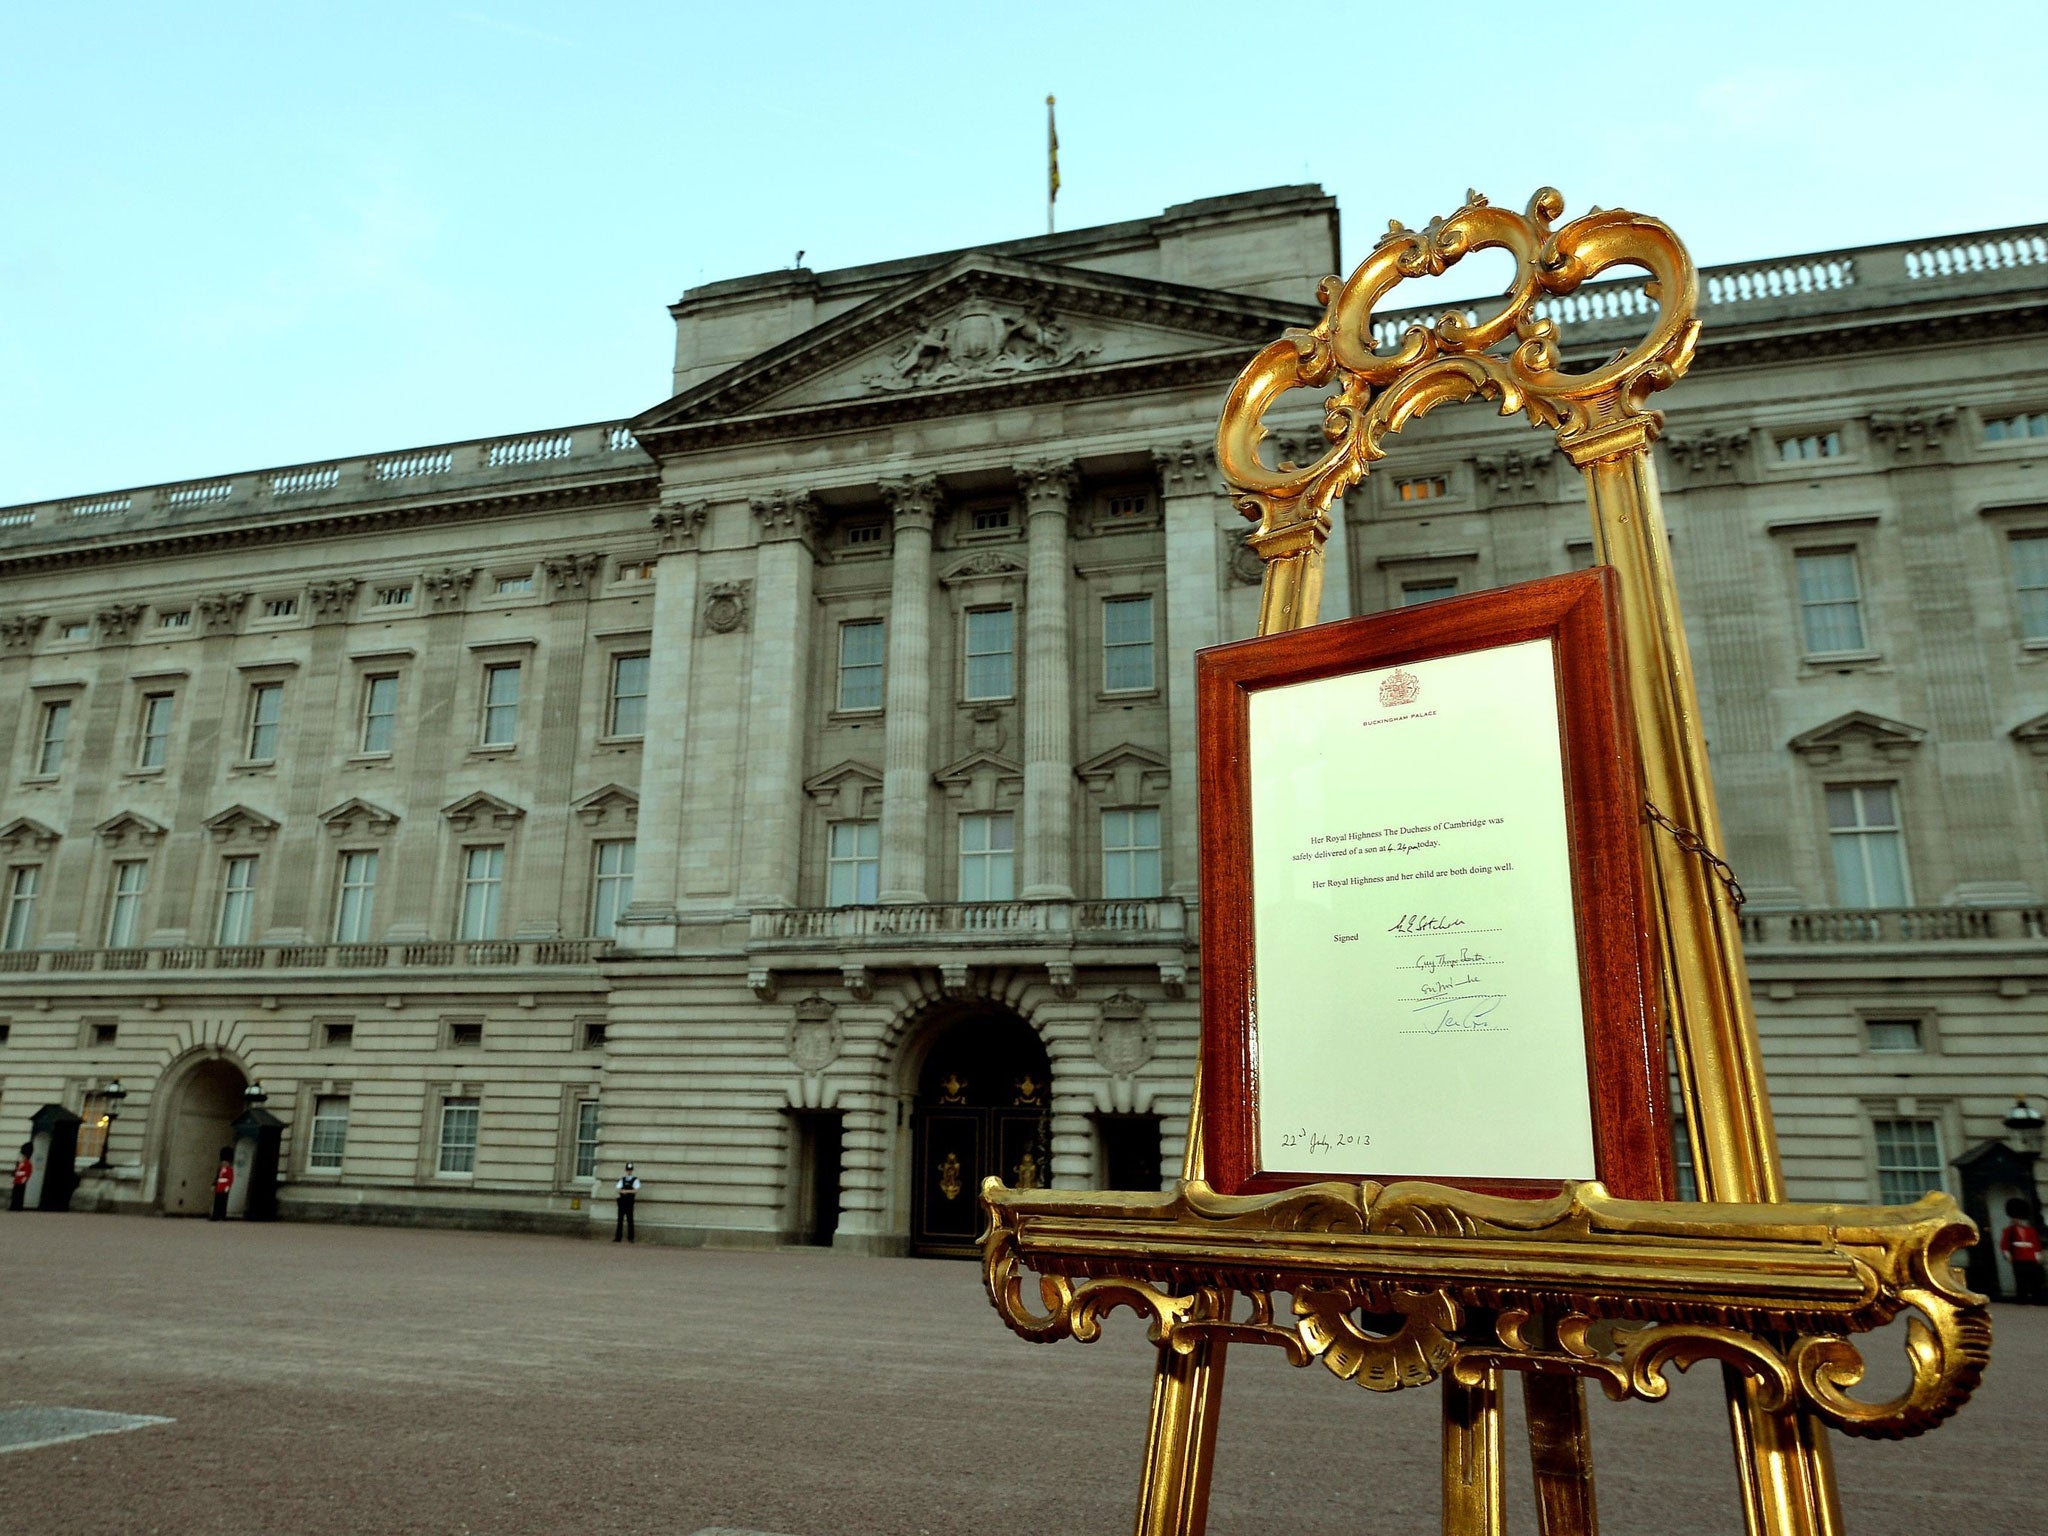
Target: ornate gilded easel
<point x="1398" y="1286"/>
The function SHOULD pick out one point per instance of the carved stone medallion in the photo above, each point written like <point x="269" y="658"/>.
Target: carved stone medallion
<point x="727" y="606"/>
<point x="1123" y="1039"/>
<point x="814" y="1040"/>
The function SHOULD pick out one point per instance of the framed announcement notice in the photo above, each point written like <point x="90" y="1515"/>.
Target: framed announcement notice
<point x="1424" y="945"/>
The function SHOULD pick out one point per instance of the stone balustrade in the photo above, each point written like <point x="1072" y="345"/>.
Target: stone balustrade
<point x="1896" y="925"/>
<point x="298" y="488"/>
<point x="966" y="923"/>
<point x="1869" y="277"/>
<point x="431" y="954"/>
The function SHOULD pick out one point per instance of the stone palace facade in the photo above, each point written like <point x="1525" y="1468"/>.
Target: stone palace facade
<point x="792" y="789"/>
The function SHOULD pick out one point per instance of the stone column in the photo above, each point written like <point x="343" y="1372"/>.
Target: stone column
<point x="544" y="842"/>
<point x="1189" y="502"/>
<point x="650" y="921"/>
<point x="784" y="568"/>
<point x="1048" y="488"/>
<point x="907" y="697"/>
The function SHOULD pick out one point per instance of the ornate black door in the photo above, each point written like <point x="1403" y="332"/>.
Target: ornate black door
<point x="982" y="1108"/>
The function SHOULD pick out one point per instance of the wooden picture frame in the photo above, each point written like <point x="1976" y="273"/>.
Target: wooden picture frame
<point x="1381" y="1005"/>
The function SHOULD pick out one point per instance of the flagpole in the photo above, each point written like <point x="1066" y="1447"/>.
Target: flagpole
<point x="1052" y="163"/>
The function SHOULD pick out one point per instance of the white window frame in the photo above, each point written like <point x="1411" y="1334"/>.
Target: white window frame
<point x="853" y="875"/>
<point x="2029" y="588"/>
<point x="500" y="714"/>
<point x="153" y="729"/>
<point x="53" y="736"/>
<point x="1864" y="832"/>
<point x="1809" y="607"/>
<point x="258" y="748"/>
<point x="1428" y="589"/>
<point x="483" y="893"/>
<point x="458" y="1111"/>
<point x="611" y="890"/>
<point x="124" y="903"/>
<point x="988" y="872"/>
<point x="237" y="915"/>
<point x="322" y="1137"/>
<point x="583" y="1149"/>
<point x="24" y="884"/>
<point x="1912" y="1173"/>
<point x="1149" y="645"/>
<point x="372" y="688"/>
<point x="970" y="655"/>
<point x="1124" y="854"/>
<point x="862" y="669"/>
<point x="616" y="722"/>
<point x="355" y="895"/>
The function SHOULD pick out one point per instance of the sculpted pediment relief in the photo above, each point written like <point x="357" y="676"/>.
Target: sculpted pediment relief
<point x="1858" y="733"/>
<point x="978" y="323"/>
<point x="847" y="790"/>
<point x="614" y="804"/>
<point x="356" y="814"/>
<point x="1132" y="771"/>
<point x="239" y="821"/>
<point x="129" y="826"/>
<point x="482" y="809"/>
<point x="25" y="832"/>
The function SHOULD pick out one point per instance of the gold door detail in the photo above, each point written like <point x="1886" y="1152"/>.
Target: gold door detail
<point x="949" y="1177"/>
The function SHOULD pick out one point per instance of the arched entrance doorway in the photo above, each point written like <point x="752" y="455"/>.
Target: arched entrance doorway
<point x="983" y="1107"/>
<point x="202" y="1108"/>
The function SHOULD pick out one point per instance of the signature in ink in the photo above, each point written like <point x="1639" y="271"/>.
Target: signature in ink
<point x="1419" y="922"/>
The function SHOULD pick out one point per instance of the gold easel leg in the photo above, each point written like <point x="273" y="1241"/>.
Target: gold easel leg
<point x="1472" y="1474"/>
<point x="1784" y="1467"/>
<point x="1560" y="1454"/>
<point x="1180" y="1442"/>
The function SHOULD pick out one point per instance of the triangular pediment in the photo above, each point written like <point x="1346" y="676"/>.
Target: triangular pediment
<point x="848" y="789"/>
<point x="481" y="809"/>
<point x="614" y="804"/>
<point x="357" y="814"/>
<point x="967" y="335"/>
<point x="129" y="826"/>
<point x="25" y="832"/>
<point x="1858" y="731"/>
<point x="2031" y="734"/>
<point x="1128" y="769"/>
<point x="239" y="821"/>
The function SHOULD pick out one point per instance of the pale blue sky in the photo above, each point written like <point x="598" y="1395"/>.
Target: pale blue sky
<point x="233" y="236"/>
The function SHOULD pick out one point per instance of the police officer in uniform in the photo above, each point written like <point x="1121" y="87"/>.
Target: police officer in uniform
<point x="628" y="1190"/>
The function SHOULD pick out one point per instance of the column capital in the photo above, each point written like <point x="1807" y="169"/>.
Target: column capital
<point x="913" y="500"/>
<point x="1708" y="457"/>
<point x="785" y="515"/>
<point x="1913" y="430"/>
<point x="679" y="524"/>
<point x="1187" y="470"/>
<point x="1515" y="476"/>
<point x="1048" y="485"/>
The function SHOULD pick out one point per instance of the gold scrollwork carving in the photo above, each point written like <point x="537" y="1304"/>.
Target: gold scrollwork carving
<point x="1395" y="1286"/>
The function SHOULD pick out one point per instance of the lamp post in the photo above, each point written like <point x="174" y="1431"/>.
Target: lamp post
<point x="253" y="1096"/>
<point x="113" y="1093"/>
<point x="2023" y="1126"/>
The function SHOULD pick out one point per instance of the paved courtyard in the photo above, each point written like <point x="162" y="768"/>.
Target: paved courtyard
<point x="325" y="1379"/>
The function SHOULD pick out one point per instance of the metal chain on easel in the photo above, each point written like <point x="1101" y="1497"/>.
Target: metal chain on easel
<point x="1692" y="842"/>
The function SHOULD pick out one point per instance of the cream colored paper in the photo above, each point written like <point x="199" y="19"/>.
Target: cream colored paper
<point x="1416" y="983"/>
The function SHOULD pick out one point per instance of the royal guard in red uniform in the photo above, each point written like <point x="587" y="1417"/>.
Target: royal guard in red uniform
<point x="24" y="1170"/>
<point x="2020" y="1242"/>
<point x="223" y="1181"/>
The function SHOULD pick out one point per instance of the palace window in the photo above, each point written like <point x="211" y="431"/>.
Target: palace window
<point x="861" y="535"/>
<point x="636" y="570"/>
<point x="1869" y="847"/>
<point x="991" y="653"/>
<point x="174" y="618"/>
<point x="1130" y="853"/>
<point x="2029" y="552"/>
<point x="514" y="586"/>
<point x="483" y="884"/>
<point x="988" y="857"/>
<point x="395" y="597"/>
<point x="56" y="731"/>
<point x="989" y="519"/>
<point x="629" y="695"/>
<point x="124" y="903"/>
<point x="586" y="1139"/>
<point x="458" y="1135"/>
<point x="266" y="709"/>
<point x="1685" y="1176"/>
<point x="280" y="607"/>
<point x="611" y="887"/>
<point x="465" y="1033"/>
<point x="355" y="894"/>
<point x="340" y="1034"/>
<point x="1810" y="445"/>
<point x="1892" y="1035"/>
<point x="330" y="1133"/>
<point x="1127" y="644"/>
<point x="153" y="736"/>
<point x="860" y="664"/>
<point x="1830" y="601"/>
<point x="853" y="863"/>
<point x="1909" y="1161"/>
<point x="1125" y="506"/>
<point x="501" y="704"/>
<point x="2006" y="429"/>
<point x="23" y="883"/>
<point x="237" y="899"/>
<point x="380" y="711"/>
<point x="73" y="629"/>
<point x="1422" y="488"/>
<point x="593" y="1035"/>
<point x="1429" y="590"/>
<point x="95" y="1115"/>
